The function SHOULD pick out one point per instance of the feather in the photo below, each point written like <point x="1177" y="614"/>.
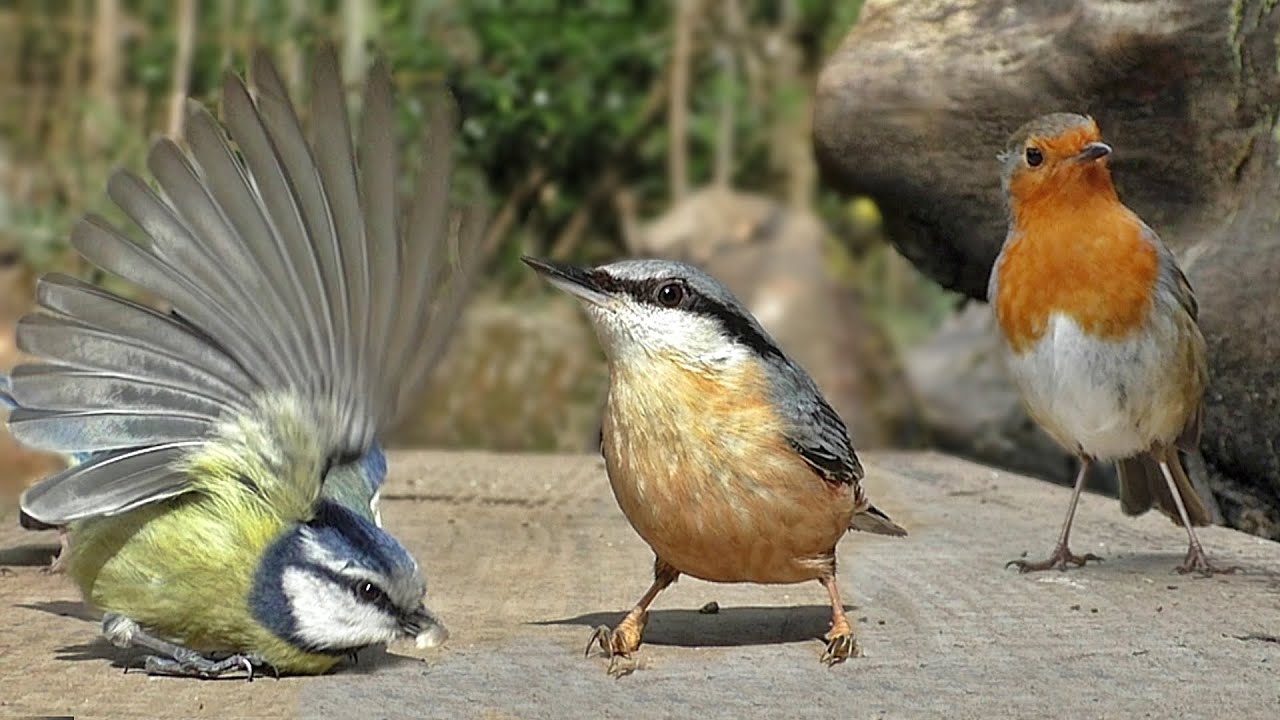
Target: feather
<point x="335" y="159"/>
<point x="6" y="392"/>
<point x="379" y="171"/>
<point x="102" y="430"/>
<point x="144" y="328"/>
<point x="295" y="159"/>
<point x="71" y="344"/>
<point x="297" y="295"/>
<point x="109" y="485"/>
<point x="53" y="387"/>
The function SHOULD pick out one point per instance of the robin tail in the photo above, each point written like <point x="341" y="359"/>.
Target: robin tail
<point x="1142" y="486"/>
<point x="873" y="520"/>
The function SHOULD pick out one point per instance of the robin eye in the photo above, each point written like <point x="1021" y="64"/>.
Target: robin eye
<point x="670" y="294"/>
<point x="1034" y="157"/>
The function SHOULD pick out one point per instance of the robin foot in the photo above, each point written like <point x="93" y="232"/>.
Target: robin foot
<point x="618" y="643"/>
<point x="1198" y="562"/>
<point x="1060" y="559"/>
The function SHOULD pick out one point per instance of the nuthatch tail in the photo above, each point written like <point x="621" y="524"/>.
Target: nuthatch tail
<point x="721" y="451"/>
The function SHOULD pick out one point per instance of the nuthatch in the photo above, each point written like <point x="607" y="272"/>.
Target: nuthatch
<point x="721" y="451"/>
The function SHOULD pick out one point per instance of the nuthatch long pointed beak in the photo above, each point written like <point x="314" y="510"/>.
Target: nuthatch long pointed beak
<point x="573" y="280"/>
<point x="1093" y="151"/>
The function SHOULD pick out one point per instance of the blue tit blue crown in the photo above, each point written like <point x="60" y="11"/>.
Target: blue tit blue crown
<point x="337" y="583"/>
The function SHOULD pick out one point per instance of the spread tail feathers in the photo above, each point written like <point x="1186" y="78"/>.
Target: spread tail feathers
<point x="300" y="285"/>
<point x="873" y="520"/>
<point x="1143" y="486"/>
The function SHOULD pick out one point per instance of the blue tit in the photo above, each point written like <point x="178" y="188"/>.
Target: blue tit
<point x="223" y="514"/>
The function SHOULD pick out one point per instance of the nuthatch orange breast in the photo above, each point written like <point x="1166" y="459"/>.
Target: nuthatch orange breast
<point x="721" y="451"/>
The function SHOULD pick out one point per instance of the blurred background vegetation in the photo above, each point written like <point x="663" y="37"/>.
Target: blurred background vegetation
<point x="580" y="120"/>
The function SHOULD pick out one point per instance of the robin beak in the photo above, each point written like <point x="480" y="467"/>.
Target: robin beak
<point x="1093" y="151"/>
<point x="571" y="279"/>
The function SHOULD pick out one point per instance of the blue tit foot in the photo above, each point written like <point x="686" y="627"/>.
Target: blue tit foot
<point x="174" y="659"/>
<point x="199" y="666"/>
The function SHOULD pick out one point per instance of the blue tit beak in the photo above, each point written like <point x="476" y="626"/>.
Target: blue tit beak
<point x="424" y="627"/>
<point x="1093" y="151"/>
<point x="571" y="279"/>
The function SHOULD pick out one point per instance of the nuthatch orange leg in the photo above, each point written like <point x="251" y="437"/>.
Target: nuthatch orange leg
<point x="625" y="639"/>
<point x="841" y="644"/>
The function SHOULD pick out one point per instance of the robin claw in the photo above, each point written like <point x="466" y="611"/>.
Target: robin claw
<point x="1197" y="562"/>
<point x="1060" y="559"/>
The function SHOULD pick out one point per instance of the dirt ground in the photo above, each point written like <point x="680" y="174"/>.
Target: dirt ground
<point x="524" y="555"/>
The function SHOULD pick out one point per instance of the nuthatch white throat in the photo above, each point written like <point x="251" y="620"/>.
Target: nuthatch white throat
<point x="721" y="451"/>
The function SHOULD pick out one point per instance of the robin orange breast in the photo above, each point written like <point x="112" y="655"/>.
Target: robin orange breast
<point x="1100" y="327"/>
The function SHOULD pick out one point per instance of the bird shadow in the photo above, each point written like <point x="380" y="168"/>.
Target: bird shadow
<point x="1151" y="565"/>
<point x="64" y="608"/>
<point x="730" y="627"/>
<point x="28" y="555"/>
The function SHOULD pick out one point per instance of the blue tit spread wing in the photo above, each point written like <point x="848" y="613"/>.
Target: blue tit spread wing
<point x="304" y="313"/>
<point x="814" y="429"/>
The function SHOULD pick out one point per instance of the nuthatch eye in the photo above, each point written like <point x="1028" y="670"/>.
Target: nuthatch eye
<point x="721" y="451"/>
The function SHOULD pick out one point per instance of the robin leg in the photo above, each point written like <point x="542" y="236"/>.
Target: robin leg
<point x="1196" y="561"/>
<point x="841" y="644"/>
<point x="1062" y="555"/>
<point x="621" y="641"/>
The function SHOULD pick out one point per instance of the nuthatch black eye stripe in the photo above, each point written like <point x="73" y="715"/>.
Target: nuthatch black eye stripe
<point x="734" y="323"/>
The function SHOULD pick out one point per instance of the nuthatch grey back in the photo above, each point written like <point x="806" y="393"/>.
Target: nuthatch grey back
<point x="721" y="451"/>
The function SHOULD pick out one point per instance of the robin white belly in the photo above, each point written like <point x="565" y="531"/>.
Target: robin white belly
<point x="1109" y="399"/>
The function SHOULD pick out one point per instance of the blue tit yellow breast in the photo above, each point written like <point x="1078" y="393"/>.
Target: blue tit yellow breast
<point x="184" y="568"/>
<point x="699" y="464"/>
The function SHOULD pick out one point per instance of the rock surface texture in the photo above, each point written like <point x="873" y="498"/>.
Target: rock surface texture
<point x="916" y="103"/>
<point x="525" y="555"/>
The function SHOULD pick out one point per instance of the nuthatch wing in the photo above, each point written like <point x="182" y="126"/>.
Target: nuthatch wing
<point x="721" y="451"/>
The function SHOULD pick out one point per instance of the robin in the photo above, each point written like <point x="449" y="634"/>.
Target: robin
<point x="1099" y="324"/>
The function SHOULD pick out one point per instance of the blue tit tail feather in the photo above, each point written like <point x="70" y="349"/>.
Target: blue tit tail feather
<point x="282" y="288"/>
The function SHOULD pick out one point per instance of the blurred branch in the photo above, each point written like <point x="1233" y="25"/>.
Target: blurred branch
<point x="186" y="34"/>
<point x="569" y="238"/>
<point x="506" y="215"/>
<point x="678" y="101"/>
<point x="107" y="68"/>
<point x="357" y="25"/>
<point x="725" y="121"/>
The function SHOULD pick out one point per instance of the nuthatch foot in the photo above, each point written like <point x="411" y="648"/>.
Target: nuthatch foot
<point x="721" y="451"/>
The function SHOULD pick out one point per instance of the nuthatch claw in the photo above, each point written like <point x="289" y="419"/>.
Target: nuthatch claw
<point x="721" y="451"/>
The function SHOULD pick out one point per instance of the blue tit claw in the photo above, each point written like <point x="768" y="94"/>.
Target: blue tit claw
<point x="196" y="665"/>
<point x="173" y="659"/>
